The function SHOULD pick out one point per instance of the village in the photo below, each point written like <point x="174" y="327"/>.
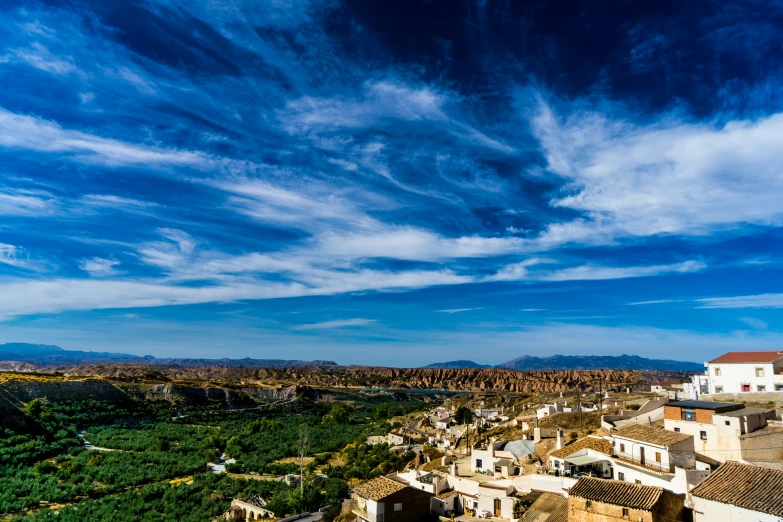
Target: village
<point x="706" y="449"/>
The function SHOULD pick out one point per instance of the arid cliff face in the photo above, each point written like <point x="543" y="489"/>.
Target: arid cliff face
<point x="472" y="379"/>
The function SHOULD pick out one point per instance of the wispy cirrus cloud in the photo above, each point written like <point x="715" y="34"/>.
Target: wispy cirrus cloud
<point x="743" y="301"/>
<point x="339" y="323"/>
<point x="459" y="310"/>
<point x="655" y="302"/>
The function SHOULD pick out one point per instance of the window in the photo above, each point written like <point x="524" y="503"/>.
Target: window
<point x="688" y="414"/>
<point x="557" y="464"/>
<point x="622" y="448"/>
<point x="589" y="505"/>
<point x="719" y="389"/>
<point x="398" y="508"/>
<point x="657" y="456"/>
<point x="717" y="372"/>
<point x="703" y="435"/>
<point x="761" y="388"/>
<point x="621" y="476"/>
<point x="728" y="423"/>
<point x="677" y="430"/>
<point x="478" y="463"/>
<point x="779" y="387"/>
<point x="759" y="372"/>
<point x="626" y="513"/>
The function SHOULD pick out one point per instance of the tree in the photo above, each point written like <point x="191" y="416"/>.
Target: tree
<point x="302" y="449"/>
<point x="463" y="415"/>
<point x="34" y="408"/>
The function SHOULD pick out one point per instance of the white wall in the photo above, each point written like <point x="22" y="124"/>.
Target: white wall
<point x="681" y="481"/>
<point x="732" y="376"/>
<point x="710" y="511"/>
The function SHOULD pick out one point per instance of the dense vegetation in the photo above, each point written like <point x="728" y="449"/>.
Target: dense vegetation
<point x="158" y="467"/>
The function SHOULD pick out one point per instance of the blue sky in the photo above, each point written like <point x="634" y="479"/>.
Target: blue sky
<point x="392" y="183"/>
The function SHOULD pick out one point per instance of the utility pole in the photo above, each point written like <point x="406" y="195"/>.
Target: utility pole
<point x="600" y="396"/>
<point x="579" y="405"/>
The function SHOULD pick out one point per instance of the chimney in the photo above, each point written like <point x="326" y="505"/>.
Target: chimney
<point x="561" y="394"/>
<point x="454" y="469"/>
<point x="559" y="438"/>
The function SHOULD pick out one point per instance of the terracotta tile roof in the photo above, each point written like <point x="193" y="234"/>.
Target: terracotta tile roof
<point x="548" y="507"/>
<point x="599" y="445"/>
<point x="616" y="492"/>
<point x="378" y="488"/>
<point x="746" y="486"/>
<point x="748" y="357"/>
<point x="650" y="435"/>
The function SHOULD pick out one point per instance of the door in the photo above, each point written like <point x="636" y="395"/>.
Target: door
<point x="497" y="507"/>
<point x="746" y="387"/>
<point x="641" y="455"/>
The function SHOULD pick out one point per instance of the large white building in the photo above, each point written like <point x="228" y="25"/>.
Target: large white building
<point x="717" y="427"/>
<point x="743" y="372"/>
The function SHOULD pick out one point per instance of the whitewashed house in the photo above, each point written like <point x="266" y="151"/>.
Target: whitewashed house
<point x="743" y="372"/>
<point x="655" y="457"/>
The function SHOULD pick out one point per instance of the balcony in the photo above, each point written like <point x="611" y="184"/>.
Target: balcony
<point x="656" y="467"/>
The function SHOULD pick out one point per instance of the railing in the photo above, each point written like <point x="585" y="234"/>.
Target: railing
<point x="654" y="466"/>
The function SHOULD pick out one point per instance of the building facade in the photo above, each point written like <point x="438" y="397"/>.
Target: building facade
<point x="717" y="427"/>
<point x="385" y="500"/>
<point x="744" y="372"/>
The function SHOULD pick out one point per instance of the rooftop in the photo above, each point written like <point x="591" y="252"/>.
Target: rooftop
<point x="746" y="486"/>
<point x="748" y="357"/>
<point x="616" y="492"/>
<point x="703" y="405"/>
<point x="650" y="435"/>
<point x="378" y="488"/>
<point x="446" y="494"/>
<point x="599" y="445"/>
<point x="745" y="411"/>
<point x="548" y="507"/>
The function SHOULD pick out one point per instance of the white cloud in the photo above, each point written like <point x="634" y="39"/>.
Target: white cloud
<point x="758" y="324"/>
<point x="27" y="132"/>
<point x="458" y="310"/>
<point x="111" y="201"/>
<point x="521" y="271"/>
<point x="414" y="244"/>
<point x="743" y="301"/>
<point x="32" y="203"/>
<point x="340" y="323"/>
<point x="654" y="302"/>
<point x="99" y="267"/>
<point x="670" y="177"/>
<point x="9" y="255"/>
<point x="40" y="57"/>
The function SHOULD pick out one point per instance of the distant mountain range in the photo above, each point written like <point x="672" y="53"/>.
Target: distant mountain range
<point x="49" y="355"/>
<point x="457" y="364"/>
<point x="582" y="362"/>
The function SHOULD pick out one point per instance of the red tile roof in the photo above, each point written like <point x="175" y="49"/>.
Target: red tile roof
<point x="748" y="357"/>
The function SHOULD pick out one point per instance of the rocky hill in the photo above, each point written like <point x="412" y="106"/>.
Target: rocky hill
<point x="468" y="379"/>
<point x="457" y="364"/>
